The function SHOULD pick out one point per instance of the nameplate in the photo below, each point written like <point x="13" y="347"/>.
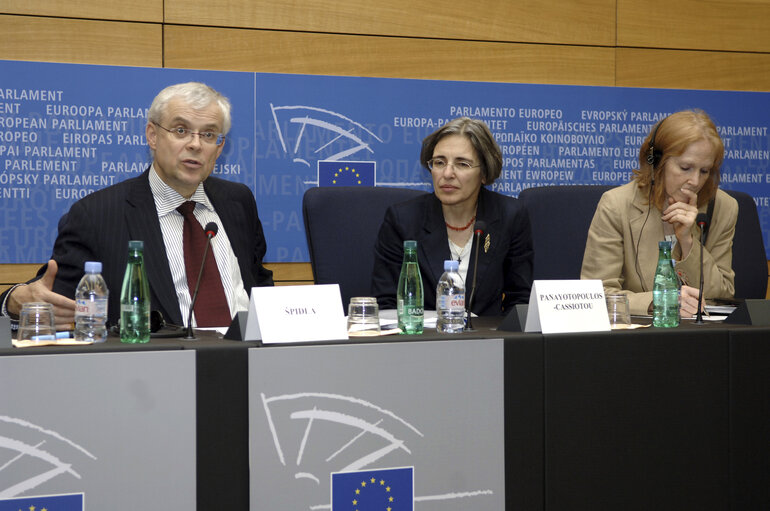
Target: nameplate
<point x="286" y="314"/>
<point x="559" y="306"/>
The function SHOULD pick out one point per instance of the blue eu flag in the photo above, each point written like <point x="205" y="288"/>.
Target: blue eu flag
<point x="71" y="502"/>
<point x="346" y="173"/>
<point x="390" y="489"/>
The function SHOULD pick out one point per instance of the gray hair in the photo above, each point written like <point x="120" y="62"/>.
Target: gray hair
<point x="197" y="95"/>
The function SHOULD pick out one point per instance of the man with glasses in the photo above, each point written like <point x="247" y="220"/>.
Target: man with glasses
<point x="166" y="207"/>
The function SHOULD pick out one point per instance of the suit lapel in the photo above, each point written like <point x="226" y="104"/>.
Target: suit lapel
<point x="142" y="221"/>
<point x="226" y="209"/>
<point x="435" y="241"/>
<point x="488" y="212"/>
<point x="646" y="231"/>
<point x="231" y="215"/>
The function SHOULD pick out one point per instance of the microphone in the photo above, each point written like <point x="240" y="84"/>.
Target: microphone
<point x="211" y="230"/>
<point x="702" y="221"/>
<point x="478" y="232"/>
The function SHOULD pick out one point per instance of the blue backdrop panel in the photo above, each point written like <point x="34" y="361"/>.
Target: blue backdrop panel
<point x="292" y="132"/>
<point x="67" y="130"/>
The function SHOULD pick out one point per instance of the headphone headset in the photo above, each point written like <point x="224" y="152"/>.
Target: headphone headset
<point x="654" y="155"/>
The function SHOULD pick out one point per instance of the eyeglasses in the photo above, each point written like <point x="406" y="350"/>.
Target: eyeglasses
<point x="180" y="133"/>
<point x="441" y="164"/>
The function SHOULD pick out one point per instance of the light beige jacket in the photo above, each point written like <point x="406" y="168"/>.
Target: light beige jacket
<point x="610" y="254"/>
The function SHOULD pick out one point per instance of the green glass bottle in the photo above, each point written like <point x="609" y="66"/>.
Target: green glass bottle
<point x="135" y="298"/>
<point x="409" y="295"/>
<point x="665" y="292"/>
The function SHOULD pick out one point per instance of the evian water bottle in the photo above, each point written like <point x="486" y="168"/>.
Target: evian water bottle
<point x="91" y="298"/>
<point x="450" y="300"/>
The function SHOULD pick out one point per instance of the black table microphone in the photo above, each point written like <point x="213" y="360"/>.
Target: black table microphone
<point x="211" y="230"/>
<point x="701" y="220"/>
<point x="478" y="232"/>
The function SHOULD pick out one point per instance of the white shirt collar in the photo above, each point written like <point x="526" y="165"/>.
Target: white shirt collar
<point x="167" y="199"/>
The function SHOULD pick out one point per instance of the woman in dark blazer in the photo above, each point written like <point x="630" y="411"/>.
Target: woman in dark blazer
<point x="462" y="157"/>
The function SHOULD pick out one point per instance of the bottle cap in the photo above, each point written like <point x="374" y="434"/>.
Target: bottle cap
<point x="410" y="244"/>
<point x="93" y="267"/>
<point x="664" y="244"/>
<point x="136" y="245"/>
<point x="450" y="265"/>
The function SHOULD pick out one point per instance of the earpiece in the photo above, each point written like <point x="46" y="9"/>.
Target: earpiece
<point x="653" y="154"/>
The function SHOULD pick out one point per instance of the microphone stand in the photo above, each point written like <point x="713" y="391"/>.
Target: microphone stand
<point x="190" y="336"/>
<point x="699" y="315"/>
<point x="468" y="303"/>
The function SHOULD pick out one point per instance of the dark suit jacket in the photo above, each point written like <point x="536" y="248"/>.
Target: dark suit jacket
<point x="99" y="226"/>
<point x="505" y="270"/>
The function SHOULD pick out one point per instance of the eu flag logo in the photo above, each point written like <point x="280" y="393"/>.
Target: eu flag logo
<point x="389" y="489"/>
<point x="71" y="502"/>
<point x="346" y="173"/>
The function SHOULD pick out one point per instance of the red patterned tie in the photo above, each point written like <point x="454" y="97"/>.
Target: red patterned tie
<point x="211" y="309"/>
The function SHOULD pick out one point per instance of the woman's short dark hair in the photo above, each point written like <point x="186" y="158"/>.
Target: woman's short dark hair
<point x="673" y="135"/>
<point x="481" y="139"/>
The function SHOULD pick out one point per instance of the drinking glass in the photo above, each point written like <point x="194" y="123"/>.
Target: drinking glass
<point x="363" y="316"/>
<point x="36" y="322"/>
<point x="618" y="310"/>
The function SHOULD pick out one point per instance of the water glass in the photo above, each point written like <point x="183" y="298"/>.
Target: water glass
<point x="36" y="322"/>
<point x="363" y="316"/>
<point x="618" y="310"/>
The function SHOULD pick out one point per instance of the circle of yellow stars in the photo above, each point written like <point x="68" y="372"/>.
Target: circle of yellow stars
<point x="374" y="481"/>
<point x="341" y="170"/>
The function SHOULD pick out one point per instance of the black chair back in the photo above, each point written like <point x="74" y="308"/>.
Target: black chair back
<point x="749" y="258"/>
<point x="341" y="225"/>
<point x="560" y="217"/>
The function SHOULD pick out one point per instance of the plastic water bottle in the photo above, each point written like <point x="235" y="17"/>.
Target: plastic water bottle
<point x="409" y="295"/>
<point x="91" y="297"/>
<point x="135" y="298"/>
<point x="450" y="300"/>
<point x="665" y="292"/>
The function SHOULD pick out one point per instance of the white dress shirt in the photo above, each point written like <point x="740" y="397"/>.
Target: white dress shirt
<point x="171" y="225"/>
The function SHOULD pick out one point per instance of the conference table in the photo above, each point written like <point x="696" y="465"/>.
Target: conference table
<point x="639" y="419"/>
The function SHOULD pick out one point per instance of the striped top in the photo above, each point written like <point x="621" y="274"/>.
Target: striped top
<point x="171" y="225"/>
